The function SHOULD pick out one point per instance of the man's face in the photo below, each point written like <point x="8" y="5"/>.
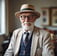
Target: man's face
<point x="27" y="20"/>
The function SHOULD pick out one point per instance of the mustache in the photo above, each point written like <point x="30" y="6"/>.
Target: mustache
<point x="27" y="23"/>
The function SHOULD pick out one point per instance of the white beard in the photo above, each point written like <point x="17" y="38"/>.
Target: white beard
<point x="26" y="27"/>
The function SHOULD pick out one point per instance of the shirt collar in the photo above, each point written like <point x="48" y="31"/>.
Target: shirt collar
<point x="28" y="31"/>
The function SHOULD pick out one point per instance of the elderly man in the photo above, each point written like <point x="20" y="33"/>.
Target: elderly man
<point x="29" y="40"/>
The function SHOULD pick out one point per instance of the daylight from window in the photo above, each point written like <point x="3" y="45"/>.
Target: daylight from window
<point x="2" y="17"/>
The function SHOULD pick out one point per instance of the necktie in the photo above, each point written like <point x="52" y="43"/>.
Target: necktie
<point x="26" y="38"/>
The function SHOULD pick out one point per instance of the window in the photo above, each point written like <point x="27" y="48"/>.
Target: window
<point x="2" y="17"/>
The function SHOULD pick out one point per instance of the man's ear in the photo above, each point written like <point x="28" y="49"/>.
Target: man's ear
<point x="35" y="18"/>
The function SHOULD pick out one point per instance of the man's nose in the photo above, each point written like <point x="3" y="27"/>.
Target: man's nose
<point x="26" y="19"/>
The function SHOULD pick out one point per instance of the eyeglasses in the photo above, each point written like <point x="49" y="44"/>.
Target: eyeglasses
<point x="29" y="16"/>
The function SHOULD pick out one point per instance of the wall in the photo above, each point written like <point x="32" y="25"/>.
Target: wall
<point x="15" y="5"/>
<point x="1" y="41"/>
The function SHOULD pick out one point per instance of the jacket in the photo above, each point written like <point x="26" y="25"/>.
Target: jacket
<point x="39" y="36"/>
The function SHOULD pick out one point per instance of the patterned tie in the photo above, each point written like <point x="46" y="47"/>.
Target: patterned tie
<point x="26" y="38"/>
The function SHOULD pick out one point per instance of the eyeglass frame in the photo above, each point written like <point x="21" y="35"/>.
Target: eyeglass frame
<point x="29" y="16"/>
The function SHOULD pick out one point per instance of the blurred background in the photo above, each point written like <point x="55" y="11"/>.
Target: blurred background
<point x="8" y="21"/>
